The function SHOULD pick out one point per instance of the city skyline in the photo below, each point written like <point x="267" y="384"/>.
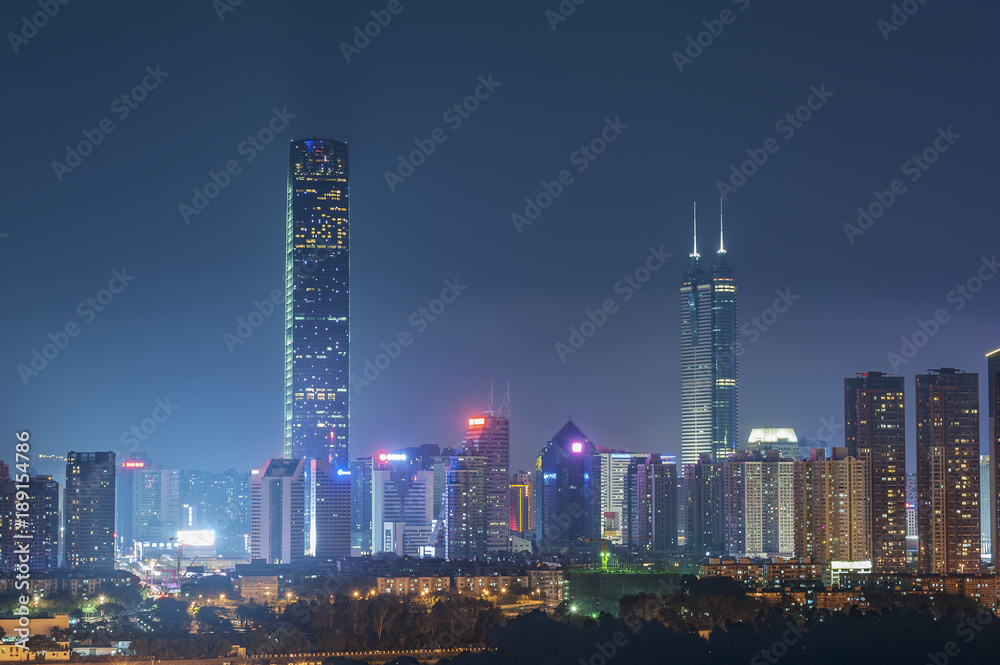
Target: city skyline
<point x="185" y="280"/>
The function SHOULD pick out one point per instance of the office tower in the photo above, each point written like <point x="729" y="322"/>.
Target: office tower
<point x="522" y="502"/>
<point x="708" y="357"/>
<point x="985" y="508"/>
<point x="703" y="492"/>
<point x="277" y="511"/>
<point x="465" y="506"/>
<point x="488" y="436"/>
<point x="157" y="504"/>
<point x="126" y="481"/>
<point x="948" y="471"/>
<point x="993" y="447"/>
<point x="89" y="510"/>
<point x="651" y="504"/>
<point x="361" y="506"/>
<point x="317" y="303"/>
<point x="759" y="504"/>
<point x="782" y="439"/>
<point x="330" y="510"/>
<point x="831" y="508"/>
<point x="614" y="473"/>
<point x="724" y="425"/>
<point x="874" y="433"/>
<point x="568" y="480"/>
<point x="41" y="526"/>
<point x="401" y="507"/>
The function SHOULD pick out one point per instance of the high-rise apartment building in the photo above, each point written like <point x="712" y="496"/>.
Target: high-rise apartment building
<point x="831" y="508"/>
<point x="317" y="303"/>
<point x="488" y="436"/>
<point x="759" y="504"/>
<point x="708" y="357"/>
<point x="89" y="510"/>
<point x="41" y="526"/>
<point x="704" y="493"/>
<point x="277" y="511"/>
<point x="948" y="471"/>
<point x="875" y="434"/>
<point x="985" y="508"/>
<point x="651" y="504"/>
<point x="614" y="475"/>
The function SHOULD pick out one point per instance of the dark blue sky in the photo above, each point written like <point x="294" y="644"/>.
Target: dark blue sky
<point x="162" y="336"/>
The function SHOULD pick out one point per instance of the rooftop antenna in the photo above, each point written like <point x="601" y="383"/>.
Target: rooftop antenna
<point x="722" y="247"/>
<point x="695" y="252"/>
<point x="505" y="406"/>
<point x="489" y="401"/>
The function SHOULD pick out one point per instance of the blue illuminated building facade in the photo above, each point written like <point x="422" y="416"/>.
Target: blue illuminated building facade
<point x="317" y="303"/>
<point x="568" y="504"/>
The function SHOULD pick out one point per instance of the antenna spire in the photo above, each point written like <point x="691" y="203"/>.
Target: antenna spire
<point x="489" y="401"/>
<point x="722" y="245"/>
<point x="505" y="406"/>
<point x="695" y="253"/>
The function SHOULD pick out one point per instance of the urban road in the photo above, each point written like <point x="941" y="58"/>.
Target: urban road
<point x="428" y="656"/>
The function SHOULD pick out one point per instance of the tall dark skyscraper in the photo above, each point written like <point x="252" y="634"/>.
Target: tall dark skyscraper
<point x="651" y="504"/>
<point x="875" y="433"/>
<point x="317" y="303"/>
<point x="361" y="505"/>
<point x="568" y="504"/>
<point x="948" y="472"/>
<point x="488" y="436"/>
<point x="89" y="510"/>
<point x="993" y="413"/>
<point x="708" y="357"/>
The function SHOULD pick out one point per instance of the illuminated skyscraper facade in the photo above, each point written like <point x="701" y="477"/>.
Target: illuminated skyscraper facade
<point x="489" y="436"/>
<point x="317" y="303"/>
<point x="708" y="358"/>
<point x="948" y="472"/>
<point x="993" y="424"/>
<point x="874" y="433"/>
<point x="568" y="503"/>
<point x="277" y="510"/>
<point x="89" y="510"/>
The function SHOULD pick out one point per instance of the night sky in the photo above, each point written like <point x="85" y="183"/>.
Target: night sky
<point x="213" y="82"/>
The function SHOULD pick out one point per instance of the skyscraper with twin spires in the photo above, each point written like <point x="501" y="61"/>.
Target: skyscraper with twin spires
<point x="708" y="356"/>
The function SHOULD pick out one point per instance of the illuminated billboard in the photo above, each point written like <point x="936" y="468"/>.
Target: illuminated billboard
<point x="199" y="538"/>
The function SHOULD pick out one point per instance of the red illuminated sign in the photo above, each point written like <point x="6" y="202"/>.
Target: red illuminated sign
<point x="133" y="465"/>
